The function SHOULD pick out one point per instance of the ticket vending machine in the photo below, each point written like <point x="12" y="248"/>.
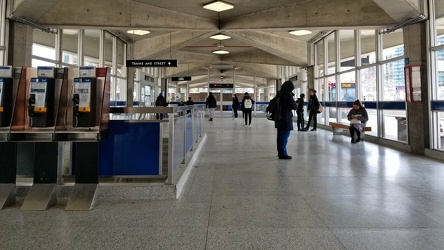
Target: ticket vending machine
<point x="41" y="104"/>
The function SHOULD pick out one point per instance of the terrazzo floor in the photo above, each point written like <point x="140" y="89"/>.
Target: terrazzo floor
<point x="331" y="195"/>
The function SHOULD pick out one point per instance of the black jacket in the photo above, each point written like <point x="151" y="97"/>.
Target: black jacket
<point x="235" y="103"/>
<point x="287" y="105"/>
<point x="211" y="101"/>
<point x="313" y="103"/>
<point x="161" y="102"/>
<point x="300" y="104"/>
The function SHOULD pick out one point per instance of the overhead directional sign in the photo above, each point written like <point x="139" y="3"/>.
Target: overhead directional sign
<point x="181" y="78"/>
<point x="221" y="85"/>
<point x="151" y="63"/>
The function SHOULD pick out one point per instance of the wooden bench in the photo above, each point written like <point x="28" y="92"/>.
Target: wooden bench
<point x="338" y="125"/>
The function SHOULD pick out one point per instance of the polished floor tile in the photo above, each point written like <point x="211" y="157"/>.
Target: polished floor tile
<point x="272" y="238"/>
<point x="331" y="195"/>
<point x="402" y="239"/>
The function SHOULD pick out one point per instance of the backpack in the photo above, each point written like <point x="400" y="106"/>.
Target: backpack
<point x="274" y="109"/>
<point x="248" y="103"/>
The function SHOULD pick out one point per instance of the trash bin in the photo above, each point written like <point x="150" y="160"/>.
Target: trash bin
<point x="402" y="128"/>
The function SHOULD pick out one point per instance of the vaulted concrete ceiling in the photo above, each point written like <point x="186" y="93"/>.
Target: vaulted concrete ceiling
<point x="181" y="28"/>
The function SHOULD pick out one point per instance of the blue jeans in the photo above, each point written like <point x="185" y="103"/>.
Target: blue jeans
<point x="282" y="139"/>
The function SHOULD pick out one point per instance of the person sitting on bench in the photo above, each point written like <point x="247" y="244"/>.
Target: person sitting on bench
<point x="358" y="117"/>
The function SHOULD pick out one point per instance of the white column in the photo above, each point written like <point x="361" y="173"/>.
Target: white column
<point x="80" y="53"/>
<point x="102" y="48"/>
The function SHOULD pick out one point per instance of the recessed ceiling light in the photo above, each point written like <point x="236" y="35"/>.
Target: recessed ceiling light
<point x="300" y="32"/>
<point x="138" y="32"/>
<point x="218" y="6"/>
<point x="70" y="31"/>
<point x="220" y="37"/>
<point x="221" y="52"/>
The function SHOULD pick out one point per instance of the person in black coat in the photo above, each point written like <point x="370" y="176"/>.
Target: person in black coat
<point x="300" y="112"/>
<point x="312" y="107"/>
<point x="189" y="103"/>
<point x="160" y="102"/>
<point x="235" y="105"/>
<point x="211" y="104"/>
<point x="285" y="124"/>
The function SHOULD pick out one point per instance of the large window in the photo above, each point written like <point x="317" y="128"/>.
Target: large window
<point x="319" y="69"/>
<point x="69" y="45"/>
<point x="347" y="48"/>
<point x="44" y="54"/>
<point x="370" y="80"/>
<point x="368" y="47"/>
<point x="331" y="53"/>
<point x="368" y="84"/>
<point x="393" y="44"/>
<point x="393" y="86"/>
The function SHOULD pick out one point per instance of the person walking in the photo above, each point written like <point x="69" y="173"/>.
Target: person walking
<point x="300" y="112"/>
<point x="160" y="102"/>
<point x="285" y="124"/>
<point x="358" y="117"/>
<point x="211" y="104"/>
<point x="235" y="106"/>
<point x="312" y="107"/>
<point x="247" y="104"/>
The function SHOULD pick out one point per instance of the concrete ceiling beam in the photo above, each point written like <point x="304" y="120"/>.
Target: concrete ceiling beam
<point x="183" y="69"/>
<point x="113" y="14"/>
<point x="259" y="57"/>
<point x="166" y="43"/>
<point x="316" y="14"/>
<point x="189" y="57"/>
<point x="32" y="10"/>
<point x="259" y="70"/>
<point x="400" y="10"/>
<point x="282" y="47"/>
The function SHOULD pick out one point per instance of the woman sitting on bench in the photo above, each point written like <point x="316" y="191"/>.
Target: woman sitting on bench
<point x="358" y="117"/>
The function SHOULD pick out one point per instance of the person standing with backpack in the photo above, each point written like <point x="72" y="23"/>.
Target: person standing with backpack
<point x="285" y="124"/>
<point x="211" y="104"/>
<point x="247" y="105"/>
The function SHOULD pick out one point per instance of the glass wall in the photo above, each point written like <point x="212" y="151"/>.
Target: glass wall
<point x="371" y="81"/>
<point x="70" y="42"/>
<point x="437" y="55"/>
<point x="44" y="54"/>
<point x="368" y="47"/>
<point x="347" y="48"/>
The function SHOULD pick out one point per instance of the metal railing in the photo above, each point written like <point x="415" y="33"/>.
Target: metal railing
<point x="185" y="126"/>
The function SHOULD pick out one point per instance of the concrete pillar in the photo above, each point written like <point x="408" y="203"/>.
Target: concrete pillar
<point x="266" y="94"/>
<point x="278" y="84"/>
<point x="130" y="86"/>
<point x="415" y="48"/>
<point x="310" y="78"/>
<point x="20" y="45"/>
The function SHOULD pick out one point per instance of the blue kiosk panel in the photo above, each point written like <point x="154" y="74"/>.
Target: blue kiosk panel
<point x="132" y="148"/>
